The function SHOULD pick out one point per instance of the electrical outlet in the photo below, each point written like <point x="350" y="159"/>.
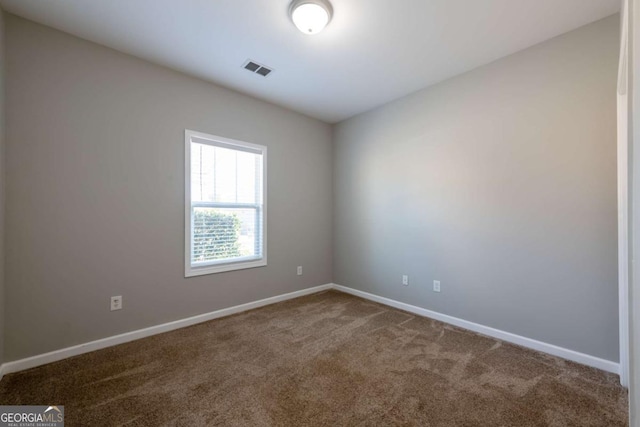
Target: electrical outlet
<point x="116" y="303"/>
<point x="436" y="286"/>
<point x="405" y="280"/>
<point x="299" y="270"/>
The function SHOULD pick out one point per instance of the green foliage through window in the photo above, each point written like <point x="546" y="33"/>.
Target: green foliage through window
<point x="215" y="235"/>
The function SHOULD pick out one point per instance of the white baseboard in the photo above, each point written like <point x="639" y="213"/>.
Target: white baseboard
<point x="585" y="359"/>
<point x="54" y="356"/>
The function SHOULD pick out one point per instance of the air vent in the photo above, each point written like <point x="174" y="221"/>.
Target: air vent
<point x="263" y="71"/>
<point x="256" y="68"/>
<point x="252" y="66"/>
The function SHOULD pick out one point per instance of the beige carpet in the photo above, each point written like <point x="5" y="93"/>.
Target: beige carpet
<point x="328" y="359"/>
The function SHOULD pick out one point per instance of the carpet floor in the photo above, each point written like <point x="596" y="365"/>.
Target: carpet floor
<point x="327" y="359"/>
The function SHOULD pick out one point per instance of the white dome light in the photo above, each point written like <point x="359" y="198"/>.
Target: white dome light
<point x="310" y="16"/>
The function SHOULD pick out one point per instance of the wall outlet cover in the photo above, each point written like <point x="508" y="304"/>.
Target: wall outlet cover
<point x="116" y="303"/>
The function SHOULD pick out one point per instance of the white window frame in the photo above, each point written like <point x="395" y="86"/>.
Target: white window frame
<point x="240" y="263"/>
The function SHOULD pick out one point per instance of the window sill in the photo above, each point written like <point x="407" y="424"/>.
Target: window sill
<point x="192" y="271"/>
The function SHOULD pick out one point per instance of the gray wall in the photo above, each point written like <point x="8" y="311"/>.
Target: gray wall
<point x="95" y="192"/>
<point x="500" y="183"/>
<point x="2" y="181"/>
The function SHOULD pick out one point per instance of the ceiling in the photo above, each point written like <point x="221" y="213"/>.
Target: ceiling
<point x="372" y="52"/>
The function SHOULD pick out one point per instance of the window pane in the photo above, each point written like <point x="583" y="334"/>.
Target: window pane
<point x="225" y="175"/>
<point x="225" y="233"/>
<point x="249" y="176"/>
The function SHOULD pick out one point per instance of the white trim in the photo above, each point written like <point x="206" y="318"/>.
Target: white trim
<point x="554" y="350"/>
<point x="624" y="51"/>
<point x="623" y="201"/>
<point x="236" y="264"/>
<point x="54" y="356"/>
<point x="633" y="22"/>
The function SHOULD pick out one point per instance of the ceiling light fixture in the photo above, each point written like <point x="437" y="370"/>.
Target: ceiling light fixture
<point x="310" y="16"/>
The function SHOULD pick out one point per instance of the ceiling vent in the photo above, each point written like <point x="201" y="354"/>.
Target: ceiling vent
<point x="256" y="68"/>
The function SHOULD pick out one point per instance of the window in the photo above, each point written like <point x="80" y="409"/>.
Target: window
<point x="225" y="207"/>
